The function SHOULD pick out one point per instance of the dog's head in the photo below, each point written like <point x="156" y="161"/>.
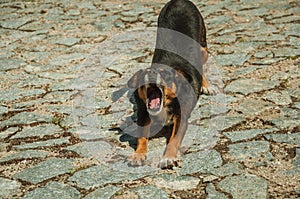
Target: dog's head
<point x="157" y="87"/>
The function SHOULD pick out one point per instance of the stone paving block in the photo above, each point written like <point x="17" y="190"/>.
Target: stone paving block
<point x="73" y="12"/>
<point x="100" y="175"/>
<point x="247" y="46"/>
<point x="53" y="190"/>
<point x="24" y="106"/>
<point x="29" y="154"/>
<point x="57" y="75"/>
<point x="293" y="27"/>
<point x="90" y="133"/>
<point x="3" y="110"/>
<point x="103" y="25"/>
<point x="247" y="86"/>
<point x="38" y="131"/>
<point x="297" y="105"/>
<point x="219" y="20"/>
<point x="100" y="150"/>
<point x="287" y="19"/>
<point x="287" y="52"/>
<point x="260" y="11"/>
<point x="290" y="113"/>
<point x="103" y="193"/>
<point x="41" y="144"/>
<point x="36" y="25"/>
<point x="3" y="147"/>
<point x="252" y="149"/>
<point x="236" y="59"/>
<point x="263" y="54"/>
<point x="198" y="138"/>
<point x="24" y="118"/>
<point x="209" y="178"/>
<point x="67" y="110"/>
<point x="64" y="85"/>
<point x="247" y="134"/>
<point x="9" y="188"/>
<point x="9" y="64"/>
<point x="15" y="23"/>
<point x="59" y="96"/>
<point x="224" y="39"/>
<point x="65" y="59"/>
<point x="279" y="98"/>
<point x="8" y="132"/>
<point x="33" y="81"/>
<point x="67" y="41"/>
<point x="194" y="135"/>
<point x="171" y="181"/>
<point x="46" y="170"/>
<point x="228" y="169"/>
<point x="250" y="106"/>
<point x="222" y="123"/>
<point x="202" y="162"/>
<point x="11" y="95"/>
<point x="296" y="161"/>
<point x="267" y="61"/>
<point x="245" y="186"/>
<point x="293" y="138"/>
<point x="209" y="110"/>
<point x="150" y="192"/>
<point x="213" y="194"/>
<point x="269" y="38"/>
<point x="285" y="123"/>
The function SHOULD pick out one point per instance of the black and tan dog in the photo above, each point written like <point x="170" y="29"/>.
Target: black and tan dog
<point x="167" y="92"/>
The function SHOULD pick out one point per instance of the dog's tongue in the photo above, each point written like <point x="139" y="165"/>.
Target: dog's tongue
<point x="154" y="103"/>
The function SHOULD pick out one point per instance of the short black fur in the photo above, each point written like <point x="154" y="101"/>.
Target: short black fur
<point x="184" y="17"/>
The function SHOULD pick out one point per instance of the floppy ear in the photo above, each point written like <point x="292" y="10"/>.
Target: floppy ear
<point x="135" y="79"/>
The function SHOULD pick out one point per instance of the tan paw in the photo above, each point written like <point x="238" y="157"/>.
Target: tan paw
<point x="211" y="90"/>
<point x="137" y="159"/>
<point x="169" y="163"/>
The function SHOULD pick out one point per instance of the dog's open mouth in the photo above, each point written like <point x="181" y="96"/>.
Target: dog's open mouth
<point x="154" y="99"/>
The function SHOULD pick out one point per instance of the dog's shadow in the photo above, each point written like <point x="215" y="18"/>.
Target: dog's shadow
<point x="127" y="128"/>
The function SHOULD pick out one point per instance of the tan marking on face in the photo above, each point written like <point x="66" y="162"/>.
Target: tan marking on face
<point x="169" y="95"/>
<point x="142" y="93"/>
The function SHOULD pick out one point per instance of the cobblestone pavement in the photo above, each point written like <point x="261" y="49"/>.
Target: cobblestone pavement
<point x="65" y="111"/>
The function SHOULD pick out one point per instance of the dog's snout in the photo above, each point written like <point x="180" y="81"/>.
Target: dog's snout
<point x="152" y="77"/>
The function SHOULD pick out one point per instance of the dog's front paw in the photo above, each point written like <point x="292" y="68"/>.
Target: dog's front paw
<point x="210" y="90"/>
<point x="169" y="163"/>
<point x="137" y="159"/>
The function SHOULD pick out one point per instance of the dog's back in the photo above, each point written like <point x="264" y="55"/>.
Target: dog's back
<point x="183" y="16"/>
<point x="180" y="36"/>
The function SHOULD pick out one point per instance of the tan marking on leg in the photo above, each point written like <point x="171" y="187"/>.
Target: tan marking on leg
<point x="142" y="145"/>
<point x="139" y="156"/>
<point x="205" y="83"/>
<point x="204" y="56"/>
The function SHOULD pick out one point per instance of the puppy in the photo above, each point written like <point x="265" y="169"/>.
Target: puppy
<point x="167" y="92"/>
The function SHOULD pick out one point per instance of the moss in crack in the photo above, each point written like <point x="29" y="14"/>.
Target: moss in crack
<point x="58" y="120"/>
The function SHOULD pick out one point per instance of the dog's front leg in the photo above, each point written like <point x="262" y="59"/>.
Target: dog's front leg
<point x="169" y="159"/>
<point x="143" y="131"/>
